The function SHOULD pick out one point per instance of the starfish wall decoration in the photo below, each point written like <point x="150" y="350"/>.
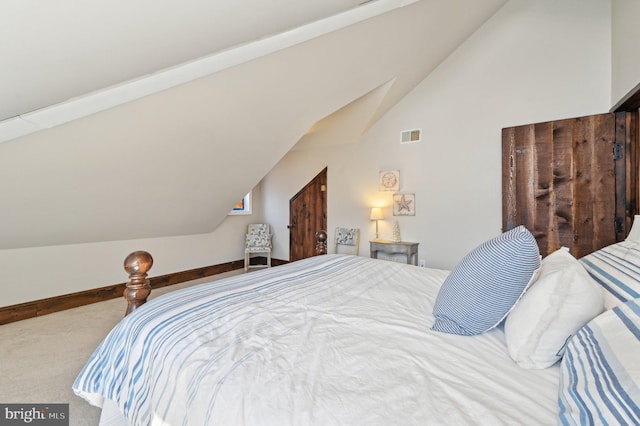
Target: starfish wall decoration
<point x="404" y="205"/>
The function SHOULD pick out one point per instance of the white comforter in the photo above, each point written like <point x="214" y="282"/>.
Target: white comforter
<point x="331" y="340"/>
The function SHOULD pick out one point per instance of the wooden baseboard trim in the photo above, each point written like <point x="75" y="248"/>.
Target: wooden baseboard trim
<point x="50" y="305"/>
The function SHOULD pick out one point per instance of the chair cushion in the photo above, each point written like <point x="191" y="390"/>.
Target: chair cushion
<point x="346" y="236"/>
<point x="257" y="241"/>
<point x="258" y="228"/>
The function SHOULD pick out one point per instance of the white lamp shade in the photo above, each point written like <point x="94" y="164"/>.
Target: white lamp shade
<point x="376" y="213"/>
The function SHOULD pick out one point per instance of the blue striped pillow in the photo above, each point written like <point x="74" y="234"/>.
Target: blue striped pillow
<point x="599" y="374"/>
<point x="481" y="290"/>
<point x="617" y="269"/>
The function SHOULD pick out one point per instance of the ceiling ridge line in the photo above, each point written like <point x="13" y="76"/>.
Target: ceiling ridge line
<point x="85" y="105"/>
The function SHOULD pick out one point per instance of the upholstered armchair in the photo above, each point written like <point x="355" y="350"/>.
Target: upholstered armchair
<point x="257" y="241"/>
<point x="347" y="240"/>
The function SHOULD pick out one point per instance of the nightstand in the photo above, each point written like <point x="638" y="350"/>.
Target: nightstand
<point x="395" y="247"/>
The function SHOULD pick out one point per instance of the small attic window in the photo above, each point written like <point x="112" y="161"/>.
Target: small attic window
<point x="410" y="136"/>
<point x="243" y="206"/>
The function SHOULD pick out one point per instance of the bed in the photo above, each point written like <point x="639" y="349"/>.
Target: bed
<point x="348" y="340"/>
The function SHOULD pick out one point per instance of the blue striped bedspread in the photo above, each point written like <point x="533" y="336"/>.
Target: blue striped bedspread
<point x="140" y="363"/>
<point x="332" y="339"/>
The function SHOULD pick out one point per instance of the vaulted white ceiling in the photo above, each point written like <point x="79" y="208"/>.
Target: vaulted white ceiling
<point x="55" y="51"/>
<point x="151" y="108"/>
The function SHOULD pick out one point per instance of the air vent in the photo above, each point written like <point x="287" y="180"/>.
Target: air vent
<point x="410" y="136"/>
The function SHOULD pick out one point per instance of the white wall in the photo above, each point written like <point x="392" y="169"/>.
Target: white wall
<point x="625" y="54"/>
<point x="533" y="61"/>
<point x="41" y="272"/>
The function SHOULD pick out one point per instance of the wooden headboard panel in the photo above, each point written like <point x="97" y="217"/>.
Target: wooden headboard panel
<point x="572" y="182"/>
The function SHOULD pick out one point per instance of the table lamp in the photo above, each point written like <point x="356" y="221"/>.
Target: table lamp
<point x="376" y="214"/>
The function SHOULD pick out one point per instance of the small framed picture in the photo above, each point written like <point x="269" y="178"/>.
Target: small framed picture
<point x="404" y="204"/>
<point x="389" y="180"/>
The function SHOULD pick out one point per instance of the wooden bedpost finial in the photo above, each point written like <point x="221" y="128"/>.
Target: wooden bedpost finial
<point x="137" y="264"/>
<point x="321" y="242"/>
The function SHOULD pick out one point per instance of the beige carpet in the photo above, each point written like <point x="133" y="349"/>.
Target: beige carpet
<point x="41" y="357"/>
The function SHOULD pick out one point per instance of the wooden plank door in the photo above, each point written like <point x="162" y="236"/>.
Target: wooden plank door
<point x="307" y="215"/>
<point x="567" y="181"/>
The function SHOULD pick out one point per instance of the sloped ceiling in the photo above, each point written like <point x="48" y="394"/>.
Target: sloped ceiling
<point x="173" y="161"/>
<point x="54" y="51"/>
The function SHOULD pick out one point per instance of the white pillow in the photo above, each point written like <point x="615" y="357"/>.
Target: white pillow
<point x="634" y="234"/>
<point x="555" y="307"/>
